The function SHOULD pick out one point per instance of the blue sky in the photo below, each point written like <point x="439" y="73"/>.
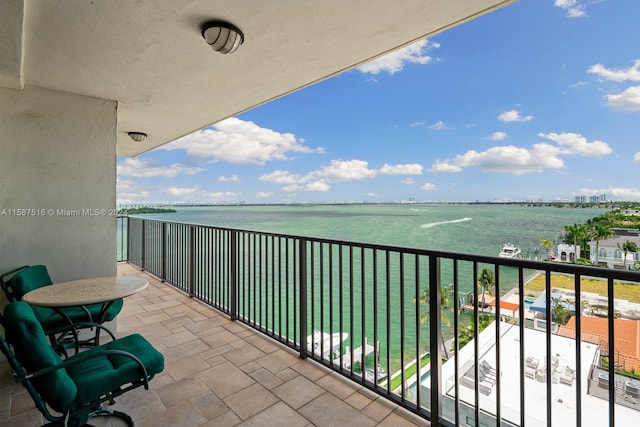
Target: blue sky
<point x="537" y="101"/>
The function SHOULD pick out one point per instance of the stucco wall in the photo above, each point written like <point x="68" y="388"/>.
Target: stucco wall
<point x="58" y="157"/>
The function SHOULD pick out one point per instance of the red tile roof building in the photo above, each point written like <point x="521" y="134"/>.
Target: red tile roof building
<point x="596" y="330"/>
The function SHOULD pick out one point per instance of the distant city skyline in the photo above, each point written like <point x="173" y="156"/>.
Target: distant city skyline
<point x="537" y="101"/>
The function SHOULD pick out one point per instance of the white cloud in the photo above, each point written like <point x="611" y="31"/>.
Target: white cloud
<point x="264" y="194"/>
<point x="336" y="171"/>
<point x="182" y="191"/>
<point x="196" y="193"/>
<point x="636" y="157"/>
<point x="628" y="100"/>
<point x="519" y="160"/>
<point x="408" y="169"/>
<point x="237" y="141"/>
<point x="232" y="178"/>
<point x="617" y="75"/>
<point x="444" y="166"/>
<point x="439" y="125"/>
<point x="125" y="198"/>
<point x="505" y="159"/>
<point x="394" y="62"/>
<point x="125" y="184"/>
<point x="148" y="169"/>
<point x="428" y="186"/>
<point x="344" y="170"/>
<point x="317" y="186"/>
<point x="280" y="177"/>
<point x="372" y="194"/>
<point x="573" y="8"/>
<point x="127" y="192"/>
<point x="513" y="116"/>
<point x="416" y="124"/>
<point x="573" y="143"/>
<point x="408" y="181"/>
<point x="498" y="136"/>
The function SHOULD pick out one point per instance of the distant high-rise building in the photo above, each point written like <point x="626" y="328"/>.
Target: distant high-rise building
<point x="581" y="199"/>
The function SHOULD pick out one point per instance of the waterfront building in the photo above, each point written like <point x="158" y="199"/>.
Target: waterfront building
<point x="610" y="253"/>
<point x="581" y="199"/>
<point x="567" y="252"/>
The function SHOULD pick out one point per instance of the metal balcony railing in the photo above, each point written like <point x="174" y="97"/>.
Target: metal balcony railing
<point x="412" y="325"/>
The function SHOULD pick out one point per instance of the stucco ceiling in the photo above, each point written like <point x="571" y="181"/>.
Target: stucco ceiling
<point x="150" y="57"/>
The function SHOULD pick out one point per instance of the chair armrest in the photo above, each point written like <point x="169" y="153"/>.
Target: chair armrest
<point x="4" y="282"/>
<point x="80" y="358"/>
<point x="122" y="353"/>
<point x="135" y="359"/>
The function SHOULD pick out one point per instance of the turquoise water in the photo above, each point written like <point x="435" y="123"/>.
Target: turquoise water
<point x="472" y="229"/>
<point x="527" y="304"/>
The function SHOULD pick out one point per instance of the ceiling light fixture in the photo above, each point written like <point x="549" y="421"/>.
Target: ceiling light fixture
<point x="137" y="136"/>
<point x="222" y="36"/>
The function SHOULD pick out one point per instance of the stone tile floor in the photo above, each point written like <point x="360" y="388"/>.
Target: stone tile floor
<point x="219" y="373"/>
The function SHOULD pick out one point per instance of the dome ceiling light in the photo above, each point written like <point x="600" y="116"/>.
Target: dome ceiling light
<point x="222" y="36"/>
<point x="137" y="136"/>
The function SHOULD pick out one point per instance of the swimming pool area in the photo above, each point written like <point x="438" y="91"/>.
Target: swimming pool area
<point x="527" y="303"/>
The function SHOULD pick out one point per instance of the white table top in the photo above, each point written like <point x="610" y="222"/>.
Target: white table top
<point x="85" y="291"/>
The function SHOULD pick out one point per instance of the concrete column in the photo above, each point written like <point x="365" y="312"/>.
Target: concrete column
<point x="57" y="182"/>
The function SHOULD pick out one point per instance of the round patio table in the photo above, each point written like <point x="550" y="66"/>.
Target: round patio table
<point x="79" y="293"/>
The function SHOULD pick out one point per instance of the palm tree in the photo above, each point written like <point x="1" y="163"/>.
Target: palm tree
<point x="577" y="233"/>
<point x="445" y="298"/>
<point x="600" y="232"/>
<point x="627" y="247"/>
<point x="486" y="280"/>
<point x="559" y="313"/>
<point x="467" y="333"/>
<point x="546" y="244"/>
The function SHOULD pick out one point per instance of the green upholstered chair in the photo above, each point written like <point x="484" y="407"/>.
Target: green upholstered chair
<point x="5" y="283"/>
<point x="70" y="392"/>
<point x="18" y="282"/>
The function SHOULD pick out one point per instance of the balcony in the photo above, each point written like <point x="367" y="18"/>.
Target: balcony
<point x="259" y="357"/>
<point x="219" y="372"/>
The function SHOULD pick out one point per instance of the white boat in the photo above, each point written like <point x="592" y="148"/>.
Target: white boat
<point x="509" y="250"/>
<point x="325" y="344"/>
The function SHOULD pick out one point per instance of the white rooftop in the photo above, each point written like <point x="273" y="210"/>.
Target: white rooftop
<point x="595" y="410"/>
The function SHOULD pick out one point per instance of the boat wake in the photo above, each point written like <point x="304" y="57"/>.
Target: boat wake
<point x="433" y="224"/>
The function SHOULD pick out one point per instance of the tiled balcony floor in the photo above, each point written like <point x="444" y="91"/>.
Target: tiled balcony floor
<point x="219" y="373"/>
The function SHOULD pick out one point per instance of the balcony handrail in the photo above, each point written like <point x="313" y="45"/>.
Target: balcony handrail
<point x="287" y="286"/>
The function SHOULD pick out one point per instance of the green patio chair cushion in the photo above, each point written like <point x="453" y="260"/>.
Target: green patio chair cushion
<point x="95" y="375"/>
<point x="87" y="376"/>
<point x="51" y="319"/>
<point x="28" y="279"/>
<point x="32" y="348"/>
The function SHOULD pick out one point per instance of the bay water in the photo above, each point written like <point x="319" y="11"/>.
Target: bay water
<point x="474" y="229"/>
<point x="479" y="229"/>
